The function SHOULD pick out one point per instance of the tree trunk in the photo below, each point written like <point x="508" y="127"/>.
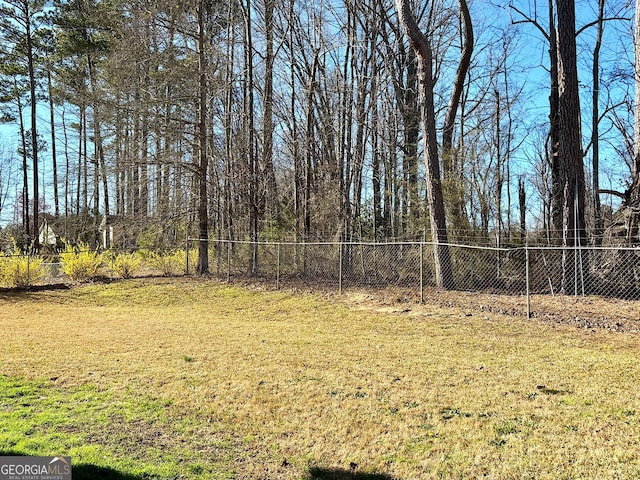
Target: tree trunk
<point x="228" y="125"/>
<point x="345" y="122"/>
<point x="143" y="167"/>
<point x="120" y="140"/>
<point x="294" y="149"/>
<point x="571" y="168"/>
<point x="452" y="174"/>
<point x="253" y="180"/>
<point x="595" y="123"/>
<point x="557" y="189"/>
<point x="632" y="200"/>
<point x="376" y="174"/>
<point x="499" y="175"/>
<point x="97" y="131"/>
<point x="67" y="200"/>
<point x="411" y="119"/>
<point x="54" y="159"/>
<point x="82" y="117"/>
<point x="442" y="258"/>
<point x="522" y="200"/>
<point x="636" y="105"/>
<point x="570" y="158"/>
<point x="403" y="208"/>
<point x="203" y="214"/>
<point x="34" y="127"/>
<point x="361" y="74"/>
<point x="308" y="166"/>
<point x="270" y="191"/>
<point x="25" y="166"/>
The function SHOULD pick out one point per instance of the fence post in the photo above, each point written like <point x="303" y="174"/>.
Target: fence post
<point x="278" y="266"/>
<point x="526" y="256"/>
<point x="340" y="268"/>
<point x="229" y="261"/>
<point x="186" y="254"/>
<point x="421" y="272"/>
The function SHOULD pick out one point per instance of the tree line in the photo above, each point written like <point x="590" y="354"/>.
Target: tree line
<point x="336" y="119"/>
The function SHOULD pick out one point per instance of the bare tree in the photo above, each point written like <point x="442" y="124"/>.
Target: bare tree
<point x="632" y="195"/>
<point x="571" y="168"/>
<point x="420" y="43"/>
<point x="595" y="124"/>
<point x="451" y="171"/>
<point x="203" y="167"/>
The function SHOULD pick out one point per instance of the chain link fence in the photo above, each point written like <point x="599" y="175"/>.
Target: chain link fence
<point x="585" y="271"/>
<point x="376" y="265"/>
<point x="588" y="286"/>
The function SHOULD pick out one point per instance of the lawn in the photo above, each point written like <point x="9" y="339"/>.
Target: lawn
<point x="185" y="378"/>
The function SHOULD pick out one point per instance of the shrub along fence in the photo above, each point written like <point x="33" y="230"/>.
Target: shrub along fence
<point x="77" y="265"/>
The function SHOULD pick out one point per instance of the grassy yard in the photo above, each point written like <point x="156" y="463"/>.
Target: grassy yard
<point x="183" y="378"/>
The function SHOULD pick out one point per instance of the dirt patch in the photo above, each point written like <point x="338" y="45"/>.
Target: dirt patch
<point x="583" y="312"/>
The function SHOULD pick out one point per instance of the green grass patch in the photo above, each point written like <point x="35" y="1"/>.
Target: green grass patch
<point x="180" y="378"/>
<point x="107" y="435"/>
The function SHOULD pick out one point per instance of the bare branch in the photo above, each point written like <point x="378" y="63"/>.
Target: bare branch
<point x="595" y="22"/>
<point x="528" y="19"/>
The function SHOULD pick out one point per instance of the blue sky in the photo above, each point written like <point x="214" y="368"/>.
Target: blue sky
<point x="529" y="62"/>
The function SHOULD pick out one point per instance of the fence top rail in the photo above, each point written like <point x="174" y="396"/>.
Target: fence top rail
<point x="523" y="248"/>
<point x="426" y="244"/>
<point x="588" y="248"/>
<point x="365" y="244"/>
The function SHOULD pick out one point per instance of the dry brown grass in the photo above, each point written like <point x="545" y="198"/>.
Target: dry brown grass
<point x="590" y="312"/>
<point x="290" y="381"/>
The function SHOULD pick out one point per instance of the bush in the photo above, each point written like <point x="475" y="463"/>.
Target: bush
<point x="168" y="263"/>
<point x="18" y="271"/>
<point x="80" y="264"/>
<point x="126" y="264"/>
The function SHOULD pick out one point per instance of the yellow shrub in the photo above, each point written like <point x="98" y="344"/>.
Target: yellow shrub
<point x="80" y="264"/>
<point x="126" y="264"/>
<point x="168" y="263"/>
<point x="19" y="270"/>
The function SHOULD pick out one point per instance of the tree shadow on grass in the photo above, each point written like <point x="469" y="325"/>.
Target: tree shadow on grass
<point x="317" y="473"/>
<point x="16" y="292"/>
<point x="84" y="471"/>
